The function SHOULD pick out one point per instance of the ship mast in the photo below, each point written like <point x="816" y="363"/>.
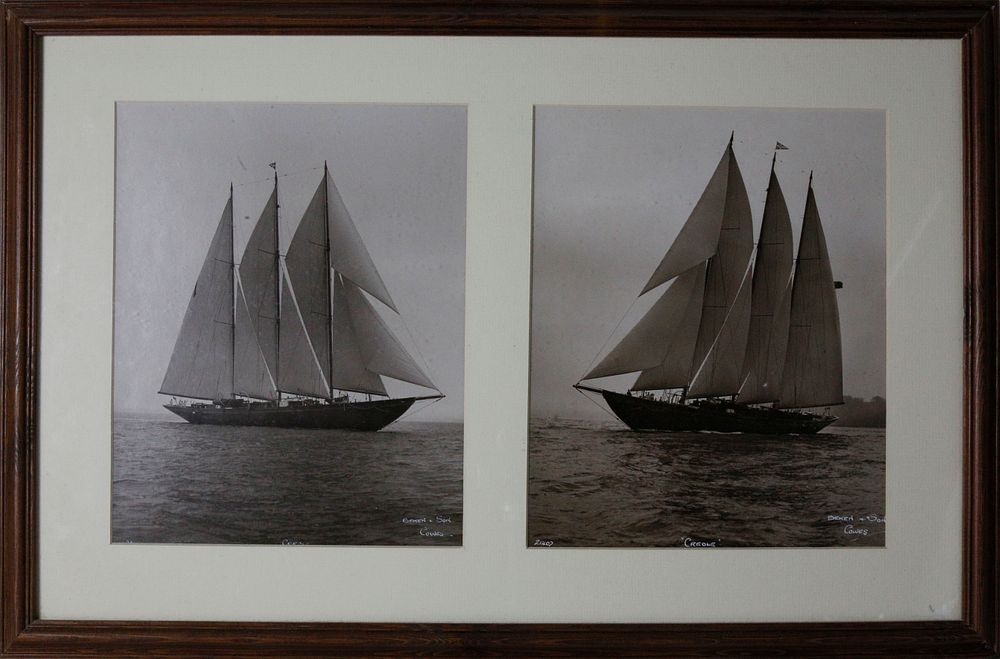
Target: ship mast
<point x="277" y="285"/>
<point x="329" y="269"/>
<point x="232" y="317"/>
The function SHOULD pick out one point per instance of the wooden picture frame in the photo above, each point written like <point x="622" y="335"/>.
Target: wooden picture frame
<point x="27" y="22"/>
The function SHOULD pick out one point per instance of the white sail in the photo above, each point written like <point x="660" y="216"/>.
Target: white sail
<point x="662" y="343"/>
<point x="300" y="369"/>
<point x="381" y="351"/>
<point x="348" y="371"/>
<point x="304" y="353"/>
<point x="768" y="335"/>
<point x="725" y="313"/>
<point x="813" y="371"/>
<point x="699" y="237"/>
<point x="257" y="309"/>
<point x="201" y="365"/>
<point x="348" y="254"/>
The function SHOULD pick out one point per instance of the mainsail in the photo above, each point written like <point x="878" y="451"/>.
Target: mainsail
<point x="813" y="371"/>
<point x="695" y="334"/>
<point x="201" y="365"/>
<point x="304" y="354"/>
<point x="770" y="300"/>
<point x="257" y="308"/>
<point x="725" y="314"/>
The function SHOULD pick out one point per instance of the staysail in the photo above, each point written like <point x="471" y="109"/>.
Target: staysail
<point x="201" y="365"/>
<point x="770" y="300"/>
<point x="257" y="308"/>
<point x="348" y="369"/>
<point x="813" y="371"/>
<point x="381" y="351"/>
<point x="662" y="343"/>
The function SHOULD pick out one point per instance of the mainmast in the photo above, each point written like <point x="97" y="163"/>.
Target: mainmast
<point x="277" y="283"/>
<point x="232" y="317"/>
<point x="329" y="269"/>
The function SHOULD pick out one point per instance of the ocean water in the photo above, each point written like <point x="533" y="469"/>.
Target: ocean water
<point x="174" y="482"/>
<point x="601" y="485"/>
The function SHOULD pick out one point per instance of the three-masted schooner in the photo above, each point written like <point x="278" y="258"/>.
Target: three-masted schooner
<point x="730" y="351"/>
<point x="299" y="323"/>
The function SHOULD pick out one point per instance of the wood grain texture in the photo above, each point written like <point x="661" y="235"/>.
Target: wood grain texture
<point x="27" y="21"/>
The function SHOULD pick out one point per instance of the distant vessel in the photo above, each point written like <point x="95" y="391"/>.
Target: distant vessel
<point x="731" y="352"/>
<point x="299" y="323"/>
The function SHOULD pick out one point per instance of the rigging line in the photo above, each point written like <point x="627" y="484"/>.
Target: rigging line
<point x="724" y="321"/>
<point x="419" y="409"/>
<point x="416" y="347"/>
<point x="595" y="403"/>
<point x="604" y="345"/>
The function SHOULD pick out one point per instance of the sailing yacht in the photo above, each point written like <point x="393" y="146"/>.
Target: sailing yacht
<point x="280" y="340"/>
<point x="730" y="345"/>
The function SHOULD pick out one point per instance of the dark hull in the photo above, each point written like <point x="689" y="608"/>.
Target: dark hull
<point x="648" y="414"/>
<point x="360" y="415"/>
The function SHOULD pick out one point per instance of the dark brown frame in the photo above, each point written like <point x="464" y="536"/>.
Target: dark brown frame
<point x="26" y="22"/>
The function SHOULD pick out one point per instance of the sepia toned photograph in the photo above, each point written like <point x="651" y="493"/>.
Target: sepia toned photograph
<point x="707" y="328"/>
<point x="289" y="324"/>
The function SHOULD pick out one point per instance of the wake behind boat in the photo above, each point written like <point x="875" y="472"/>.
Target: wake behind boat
<point x="302" y="324"/>
<point x="721" y="350"/>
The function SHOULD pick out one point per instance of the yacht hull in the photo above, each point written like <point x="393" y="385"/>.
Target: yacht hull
<point x="340" y="415"/>
<point x="640" y="413"/>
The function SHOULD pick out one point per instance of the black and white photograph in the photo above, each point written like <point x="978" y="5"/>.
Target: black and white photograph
<point x="289" y="323"/>
<point x="708" y="328"/>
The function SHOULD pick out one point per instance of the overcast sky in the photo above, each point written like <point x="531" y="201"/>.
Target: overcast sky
<point x="613" y="186"/>
<point x="401" y="172"/>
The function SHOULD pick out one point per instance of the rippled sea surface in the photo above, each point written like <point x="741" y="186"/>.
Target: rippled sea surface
<point x="600" y="485"/>
<point x="183" y="483"/>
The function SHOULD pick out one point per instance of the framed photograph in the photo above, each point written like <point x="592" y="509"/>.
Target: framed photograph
<point x="764" y="361"/>
<point x="276" y="370"/>
<point x="334" y="328"/>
